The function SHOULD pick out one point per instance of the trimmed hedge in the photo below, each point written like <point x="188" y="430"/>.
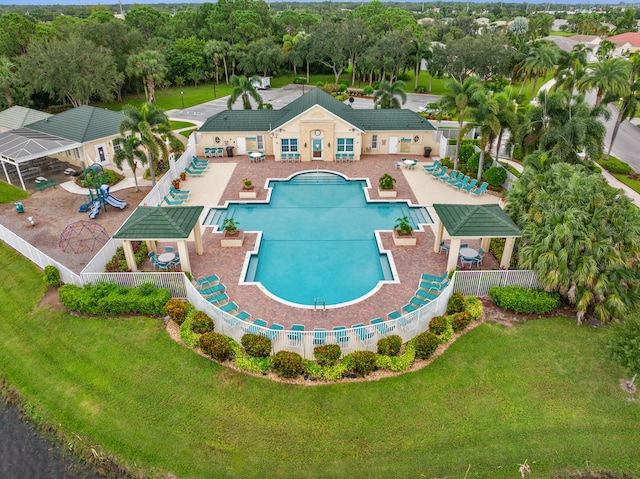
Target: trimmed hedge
<point x="256" y="345"/>
<point x="287" y="364"/>
<point x="495" y="176"/>
<point x="327" y="355"/>
<point x="216" y="345"/>
<point x="364" y="362"/>
<point x="390" y="346"/>
<point x="201" y="323"/>
<point x="523" y="300"/>
<point x="456" y="303"/>
<point x="176" y="309"/>
<point x="614" y="165"/>
<point x="51" y="276"/>
<point x="109" y="299"/>
<point x="425" y="344"/>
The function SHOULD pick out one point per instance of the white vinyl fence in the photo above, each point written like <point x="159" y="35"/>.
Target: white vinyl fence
<point x="477" y="283"/>
<point x="174" y="282"/>
<point x="38" y="257"/>
<point x="157" y="194"/>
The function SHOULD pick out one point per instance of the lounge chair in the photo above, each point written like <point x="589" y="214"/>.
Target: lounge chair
<point x="227" y="308"/>
<point x="461" y="182"/>
<point x="471" y="185"/>
<point x="342" y="338"/>
<point x="455" y="179"/>
<point x="243" y="315"/>
<point x="256" y="327"/>
<point x="435" y="279"/>
<point x="218" y="298"/>
<point x="205" y="280"/>
<point x="294" y="337"/>
<point x="442" y="172"/>
<point x="447" y="178"/>
<point x="273" y="331"/>
<point x="178" y="193"/>
<point x="319" y="336"/>
<point x="432" y="167"/>
<point x="172" y="202"/>
<point x="408" y="322"/>
<point x="193" y="172"/>
<point x="212" y="290"/>
<point x="480" y="191"/>
<point x="418" y="302"/>
<point x="382" y="327"/>
<point x="409" y="308"/>
<point x="429" y="286"/>
<point x="425" y="295"/>
<point x="363" y="333"/>
<point x="393" y="314"/>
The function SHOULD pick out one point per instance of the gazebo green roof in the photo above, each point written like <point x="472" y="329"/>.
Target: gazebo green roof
<point x="476" y="221"/>
<point x="154" y="223"/>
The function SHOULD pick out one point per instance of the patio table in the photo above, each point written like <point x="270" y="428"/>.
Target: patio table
<point x="468" y="252"/>
<point x="166" y="257"/>
<point x="255" y="156"/>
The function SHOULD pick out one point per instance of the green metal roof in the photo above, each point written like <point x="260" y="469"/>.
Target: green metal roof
<point x="153" y="223"/>
<point x="19" y="116"/>
<point x="82" y="124"/>
<point x="476" y="221"/>
<point x="268" y="120"/>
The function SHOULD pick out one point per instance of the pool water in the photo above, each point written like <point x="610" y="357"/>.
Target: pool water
<point x="318" y="243"/>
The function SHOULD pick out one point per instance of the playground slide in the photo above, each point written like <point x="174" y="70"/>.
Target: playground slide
<point x="110" y="199"/>
<point x="95" y="209"/>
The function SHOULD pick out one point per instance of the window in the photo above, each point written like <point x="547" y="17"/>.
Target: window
<point x="345" y="145"/>
<point x="260" y="143"/>
<point x="289" y="145"/>
<point x="374" y="142"/>
<point x="116" y="144"/>
<point x="77" y="153"/>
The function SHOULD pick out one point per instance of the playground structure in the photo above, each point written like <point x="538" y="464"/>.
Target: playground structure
<point x="98" y="192"/>
<point x="83" y="236"/>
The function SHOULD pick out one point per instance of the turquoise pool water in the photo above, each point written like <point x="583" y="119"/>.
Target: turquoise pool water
<point x="318" y="243"/>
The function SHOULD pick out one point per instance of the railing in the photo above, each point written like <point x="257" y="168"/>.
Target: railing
<point x="102" y="257"/>
<point x="174" y="282"/>
<point x="38" y="257"/>
<point x="477" y="283"/>
<point x="157" y="194"/>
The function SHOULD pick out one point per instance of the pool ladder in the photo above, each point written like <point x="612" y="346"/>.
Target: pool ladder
<point x="316" y="304"/>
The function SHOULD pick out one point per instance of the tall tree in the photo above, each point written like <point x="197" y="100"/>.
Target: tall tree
<point x="151" y="126"/>
<point x="540" y="60"/>
<point x="386" y="96"/>
<point x="485" y="118"/>
<point x="629" y="104"/>
<point x="218" y="49"/>
<point x="130" y="152"/>
<point x="150" y="66"/>
<point x="610" y="76"/>
<point x="243" y="88"/>
<point x="457" y="100"/>
<point x="329" y="46"/>
<point x="570" y="68"/>
<point x="16" y="32"/>
<point x="7" y="79"/>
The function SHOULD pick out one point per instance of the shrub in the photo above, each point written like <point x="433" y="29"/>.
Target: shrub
<point x="287" y="364"/>
<point x="216" y="345"/>
<point x="51" y="275"/>
<point x="390" y="346"/>
<point x="474" y="161"/>
<point x="118" y="262"/>
<point x="176" y="309"/>
<point x="614" y="165"/>
<point x="456" y="303"/>
<point x="495" y="176"/>
<point x="299" y="80"/>
<point x="460" y="321"/>
<point x="523" y="300"/>
<point x="327" y="355"/>
<point x="425" y="344"/>
<point x="367" y="90"/>
<point x="398" y="363"/>
<point x="364" y="362"/>
<point x="201" y="323"/>
<point x="187" y="334"/>
<point x="467" y="150"/>
<point x="256" y="345"/>
<point x="327" y="373"/>
<point x="104" y="299"/>
<point x="473" y="307"/>
<point x="438" y="325"/>
<point x="421" y="89"/>
<point x="446" y="161"/>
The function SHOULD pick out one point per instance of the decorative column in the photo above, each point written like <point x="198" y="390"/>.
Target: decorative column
<point x="508" y="251"/>
<point x="454" y="251"/>
<point x="129" y="256"/>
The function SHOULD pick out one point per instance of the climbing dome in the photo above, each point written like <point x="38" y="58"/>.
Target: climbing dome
<point x="83" y="236"/>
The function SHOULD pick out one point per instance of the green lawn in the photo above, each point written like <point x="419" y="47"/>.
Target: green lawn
<point x="541" y="391"/>
<point x="9" y="193"/>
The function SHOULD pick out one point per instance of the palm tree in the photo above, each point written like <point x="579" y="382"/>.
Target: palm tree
<point x="570" y="68"/>
<point x="150" y="66"/>
<point x="243" y="88"/>
<point x="130" y="152"/>
<point x="385" y="97"/>
<point x="150" y="125"/>
<point x="608" y="76"/>
<point x="507" y="118"/>
<point x="289" y="43"/>
<point x="457" y="100"/>
<point x="218" y="49"/>
<point x="540" y="60"/>
<point x="485" y="117"/>
<point x="630" y="102"/>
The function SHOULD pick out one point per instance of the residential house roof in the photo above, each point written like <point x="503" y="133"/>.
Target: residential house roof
<point x="633" y="38"/>
<point x="82" y="124"/>
<point x="586" y="39"/>
<point x="564" y="43"/>
<point x="154" y="223"/>
<point x="476" y="221"/>
<point x="268" y="120"/>
<point x="19" y="116"/>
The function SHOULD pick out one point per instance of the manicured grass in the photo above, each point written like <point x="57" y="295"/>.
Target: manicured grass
<point x="178" y="125"/>
<point x="9" y="193"/>
<point x="633" y="184"/>
<point x="542" y="391"/>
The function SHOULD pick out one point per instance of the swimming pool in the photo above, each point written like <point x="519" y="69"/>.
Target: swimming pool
<point x="318" y="242"/>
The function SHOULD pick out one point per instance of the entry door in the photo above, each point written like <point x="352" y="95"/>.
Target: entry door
<point x="101" y="154"/>
<point x="393" y="145"/>
<point x="241" y="146"/>
<point x="316" y="145"/>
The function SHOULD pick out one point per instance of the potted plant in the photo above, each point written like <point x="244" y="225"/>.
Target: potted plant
<point x="176" y="183"/>
<point x="403" y="233"/>
<point x="247" y="189"/>
<point x="183" y="175"/>
<point x="233" y="237"/>
<point x="386" y="186"/>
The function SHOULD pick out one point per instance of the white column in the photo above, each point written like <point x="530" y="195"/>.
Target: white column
<point x="197" y="236"/>
<point x="129" y="256"/>
<point x="439" y="235"/>
<point x="185" y="265"/>
<point x="507" y="252"/>
<point x="454" y="250"/>
<point x="485" y="243"/>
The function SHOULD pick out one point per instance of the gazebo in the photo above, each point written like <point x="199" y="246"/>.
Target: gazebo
<point x="153" y="224"/>
<point x="475" y="222"/>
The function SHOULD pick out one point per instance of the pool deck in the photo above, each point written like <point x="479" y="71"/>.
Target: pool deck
<point x="223" y="181"/>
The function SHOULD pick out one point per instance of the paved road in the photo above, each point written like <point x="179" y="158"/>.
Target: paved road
<point x="279" y="98"/>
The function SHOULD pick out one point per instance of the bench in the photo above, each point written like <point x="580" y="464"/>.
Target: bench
<point x="43" y="185"/>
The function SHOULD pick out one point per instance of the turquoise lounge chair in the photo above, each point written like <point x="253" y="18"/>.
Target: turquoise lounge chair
<point x="205" y="280"/>
<point x="243" y="315"/>
<point x="435" y="279"/>
<point x="178" y="193"/>
<point x="393" y="315"/>
<point x="209" y="290"/>
<point x="218" y="298"/>
<point x="194" y="172"/>
<point x="460" y="183"/>
<point x="382" y="327"/>
<point x="273" y="331"/>
<point x="455" y="179"/>
<point x="480" y="191"/>
<point x="471" y="185"/>
<point x="172" y="202"/>
<point x="227" y="308"/>
<point x="409" y="308"/>
<point x="432" y="167"/>
<point x="425" y="295"/>
<point x="294" y="337"/>
<point x="319" y="336"/>
<point x="363" y="333"/>
<point x="447" y="178"/>
<point x="442" y="172"/>
<point x="342" y="338"/>
<point x="429" y="286"/>
<point x="256" y="327"/>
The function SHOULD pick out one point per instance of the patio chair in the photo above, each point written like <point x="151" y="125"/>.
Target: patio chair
<point x="243" y="315"/>
<point x="198" y="166"/>
<point x="432" y="167"/>
<point x="398" y="165"/>
<point x="382" y="327"/>
<point x="480" y="191"/>
<point x="194" y="172"/>
<point x="444" y="247"/>
<point x="409" y="308"/>
<point x="455" y="179"/>
<point x="168" y="249"/>
<point x="294" y="337"/>
<point x="319" y="336"/>
<point x="342" y="338"/>
<point x="19" y="208"/>
<point x="227" y="308"/>
<point x="442" y="172"/>
<point x="206" y="280"/>
<point x="480" y="256"/>
<point x="435" y="279"/>
<point x="363" y="333"/>
<point x="426" y="295"/>
<point x="429" y="286"/>
<point x="447" y="178"/>
<point x="418" y="302"/>
<point x="172" y="202"/>
<point x="256" y="327"/>
<point x="393" y="314"/>
<point x="460" y="182"/>
<point x="199" y="161"/>
<point x="471" y="185"/>
<point x="178" y="194"/>
<point x="174" y="262"/>
<point x="218" y="298"/>
<point x="212" y="290"/>
<point x="273" y="331"/>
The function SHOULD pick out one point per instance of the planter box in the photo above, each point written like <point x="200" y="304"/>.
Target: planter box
<point x="248" y="194"/>
<point x="387" y="193"/>
<point x="407" y="240"/>
<point x="232" y="241"/>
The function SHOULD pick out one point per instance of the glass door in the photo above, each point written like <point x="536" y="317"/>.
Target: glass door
<point x="316" y="149"/>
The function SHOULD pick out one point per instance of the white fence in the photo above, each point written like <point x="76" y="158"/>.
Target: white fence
<point x="174" y="282"/>
<point x="477" y="283"/>
<point x="37" y="257"/>
<point x="157" y="194"/>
